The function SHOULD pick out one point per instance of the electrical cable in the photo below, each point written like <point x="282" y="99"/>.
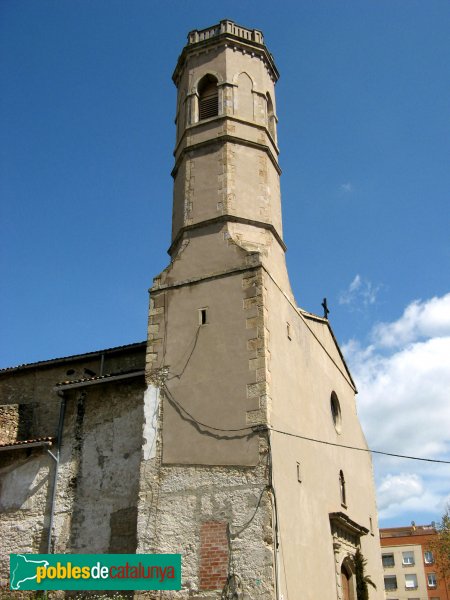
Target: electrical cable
<point x="248" y="428"/>
<point x="302" y="437"/>
<point x="245" y="525"/>
<point x="255" y="428"/>
<point x="181" y="373"/>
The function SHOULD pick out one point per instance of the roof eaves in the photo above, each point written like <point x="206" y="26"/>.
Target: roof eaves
<point x="52" y="361"/>
<point x="37" y="442"/>
<point x="312" y="316"/>
<point x="78" y="383"/>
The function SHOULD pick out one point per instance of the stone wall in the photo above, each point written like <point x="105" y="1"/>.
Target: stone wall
<point x="97" y="483"/>
<point x="9" y="420"/>
<point x="96" y="504"/>
<point x="31" y="387"/>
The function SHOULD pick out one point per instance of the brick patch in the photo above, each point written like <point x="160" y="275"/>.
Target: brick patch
<point x="213" y="555"/>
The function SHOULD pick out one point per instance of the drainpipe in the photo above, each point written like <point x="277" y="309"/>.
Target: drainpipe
<point x="62" y="411"/>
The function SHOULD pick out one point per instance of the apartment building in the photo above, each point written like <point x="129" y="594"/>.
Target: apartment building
<point x="409" y="566"/>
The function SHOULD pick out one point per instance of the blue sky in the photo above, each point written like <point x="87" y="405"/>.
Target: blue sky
<point x="86" y="139"/>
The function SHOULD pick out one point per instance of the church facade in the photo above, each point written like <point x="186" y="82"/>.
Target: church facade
<point x="223" y="437"/>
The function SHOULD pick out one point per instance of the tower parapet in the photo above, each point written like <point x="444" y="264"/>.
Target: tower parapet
<point x="248" y="40"/>
<point x="225" y="26"/>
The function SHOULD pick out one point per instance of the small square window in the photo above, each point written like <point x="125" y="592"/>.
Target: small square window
<point x="408" y="558"/>
<point x="390" y="582"/>
<point x="432" y="581"/>
<point x="388" y="560"/>
<point x="411" y="581"/>
<point x="428" y="557"/>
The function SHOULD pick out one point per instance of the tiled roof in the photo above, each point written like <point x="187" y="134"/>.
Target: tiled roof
<point x="390" y="532"/>
<point x="36" y="441"/>
<point x="51" y="361"/>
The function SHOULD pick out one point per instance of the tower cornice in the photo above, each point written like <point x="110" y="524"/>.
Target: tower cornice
<point x="191" y="128"/>
<point x="227" y="218"/>
<point x="223" y="139"/>
<point x="246" y="40"/>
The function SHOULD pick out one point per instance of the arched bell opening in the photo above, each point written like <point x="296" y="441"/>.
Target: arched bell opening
<point x="208" y="97"/>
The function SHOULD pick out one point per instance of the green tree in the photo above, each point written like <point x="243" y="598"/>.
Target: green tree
<point x="440" y="546"/>
<point x="362" y="580"/>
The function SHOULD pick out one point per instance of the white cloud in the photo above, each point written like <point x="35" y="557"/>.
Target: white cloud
<point x="405" y="497"/>
<point x="403" y="378"/>
<point x="346" y="188"/>
<point x="395" y="489"/>
<point x="359" y="292"/>
<point x="419" y="320"/>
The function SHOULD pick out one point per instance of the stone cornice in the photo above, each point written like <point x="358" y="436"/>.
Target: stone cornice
<point x="342" y="521"/>
<point x="226" y="219"/>
<point x="222" y="139"/>
<point x="191" y="128"/>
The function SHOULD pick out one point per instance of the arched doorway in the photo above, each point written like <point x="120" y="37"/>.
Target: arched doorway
<point x="347" y="583"/>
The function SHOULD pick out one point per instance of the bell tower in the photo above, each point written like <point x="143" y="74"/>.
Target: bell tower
<point x="226" y="173"/>
<point x="226" y="155"/>
<point x="240" y="379"/>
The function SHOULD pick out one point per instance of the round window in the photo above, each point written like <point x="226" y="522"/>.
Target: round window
<point x="335" y="411"/>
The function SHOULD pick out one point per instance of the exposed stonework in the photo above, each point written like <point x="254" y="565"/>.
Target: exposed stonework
<point x="9" y="419"/>
<point x="100" y="459"/>
<point x="176" y="501"/>
<point x="259" y="354"/>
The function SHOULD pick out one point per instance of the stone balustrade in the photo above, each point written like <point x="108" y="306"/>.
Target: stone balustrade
<point x="252" y="35"/>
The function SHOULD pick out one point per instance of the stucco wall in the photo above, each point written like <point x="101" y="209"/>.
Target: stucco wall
<point x="25" y="487"/>
<point x="305" y="369"/>
<point x="209" y="374"/>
